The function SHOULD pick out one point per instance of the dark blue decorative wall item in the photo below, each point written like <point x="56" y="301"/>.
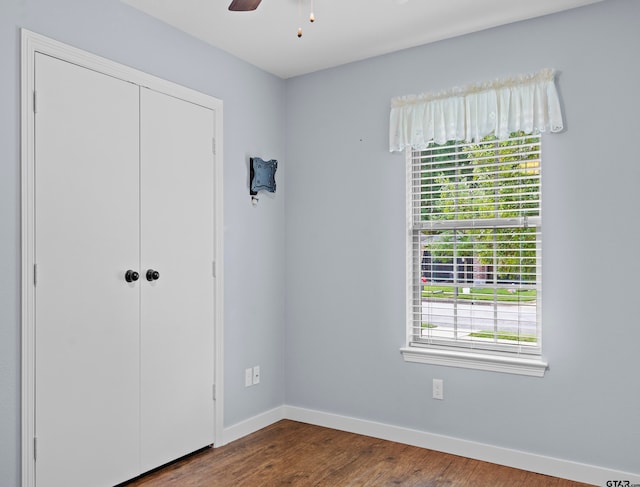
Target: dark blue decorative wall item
<point x="263" y="176"/>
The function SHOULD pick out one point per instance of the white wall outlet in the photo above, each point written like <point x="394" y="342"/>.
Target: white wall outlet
<point x="438" y="389"/>
<point x="256" y="375"/>
<point x="248" y="377"/>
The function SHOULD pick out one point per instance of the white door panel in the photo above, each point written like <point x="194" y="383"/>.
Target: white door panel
<point x="124" y="371"/>
<point x="177" y="221"/>
<point x="87" y="316"/>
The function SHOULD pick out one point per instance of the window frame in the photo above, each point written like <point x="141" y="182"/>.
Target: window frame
<point x="507" y="359"/>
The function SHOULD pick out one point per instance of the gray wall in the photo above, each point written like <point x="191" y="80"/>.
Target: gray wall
<point x="254" y="237"/>
<point x="345" y="244"/>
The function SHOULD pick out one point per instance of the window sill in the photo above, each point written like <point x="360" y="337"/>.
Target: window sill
<point x="533" y="367"/>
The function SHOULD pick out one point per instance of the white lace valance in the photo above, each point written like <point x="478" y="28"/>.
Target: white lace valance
<point x="527" y="103"/>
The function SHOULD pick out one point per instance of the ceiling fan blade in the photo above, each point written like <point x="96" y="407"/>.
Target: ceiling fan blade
<point x="244" y="5"/>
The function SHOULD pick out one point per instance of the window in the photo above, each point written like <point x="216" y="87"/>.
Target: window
<point x="474" y="254"/>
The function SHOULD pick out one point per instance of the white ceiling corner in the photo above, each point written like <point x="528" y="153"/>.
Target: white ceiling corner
<point x="344" y="30"/>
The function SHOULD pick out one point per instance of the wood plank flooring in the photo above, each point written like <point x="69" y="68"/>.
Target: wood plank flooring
<point x="299" y="454"/>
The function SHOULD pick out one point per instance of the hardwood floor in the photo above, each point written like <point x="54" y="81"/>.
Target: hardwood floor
<point x="292" y="453"/>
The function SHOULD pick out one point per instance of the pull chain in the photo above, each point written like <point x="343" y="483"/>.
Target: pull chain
<point x="312" y="16"/>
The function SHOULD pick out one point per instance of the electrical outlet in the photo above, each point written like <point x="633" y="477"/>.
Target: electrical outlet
<point x="248" y="377"/>
<point x="256" y="375"/>
<point x="438" y="389"/>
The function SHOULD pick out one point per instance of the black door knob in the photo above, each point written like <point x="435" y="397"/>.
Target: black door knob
<point x="131" y="276"/>
<point x="152" y="275"/>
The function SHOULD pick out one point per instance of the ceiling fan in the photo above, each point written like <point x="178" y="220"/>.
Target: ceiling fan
<point x="249" y="5"/>
<point x="244" y="5"/>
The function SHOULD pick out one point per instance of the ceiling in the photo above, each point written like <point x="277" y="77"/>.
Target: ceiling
<point x="344" y="30"/>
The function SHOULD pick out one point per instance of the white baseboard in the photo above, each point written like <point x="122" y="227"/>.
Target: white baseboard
<point x="251" y="425"/>
<point x="579" y="472"/>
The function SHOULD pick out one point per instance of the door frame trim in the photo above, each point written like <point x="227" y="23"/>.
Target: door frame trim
<point x="32" y="43"/>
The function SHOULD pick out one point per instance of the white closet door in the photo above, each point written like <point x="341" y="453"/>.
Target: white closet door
<point x="177" y="221"/>
<point x="86" y="314"/>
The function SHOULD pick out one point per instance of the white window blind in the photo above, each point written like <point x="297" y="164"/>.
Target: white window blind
<point x="475" y="244"/>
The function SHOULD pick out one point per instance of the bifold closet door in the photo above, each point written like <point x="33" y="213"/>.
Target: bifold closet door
<point x="86" y="314"/>
<point x="177" y="221"/>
